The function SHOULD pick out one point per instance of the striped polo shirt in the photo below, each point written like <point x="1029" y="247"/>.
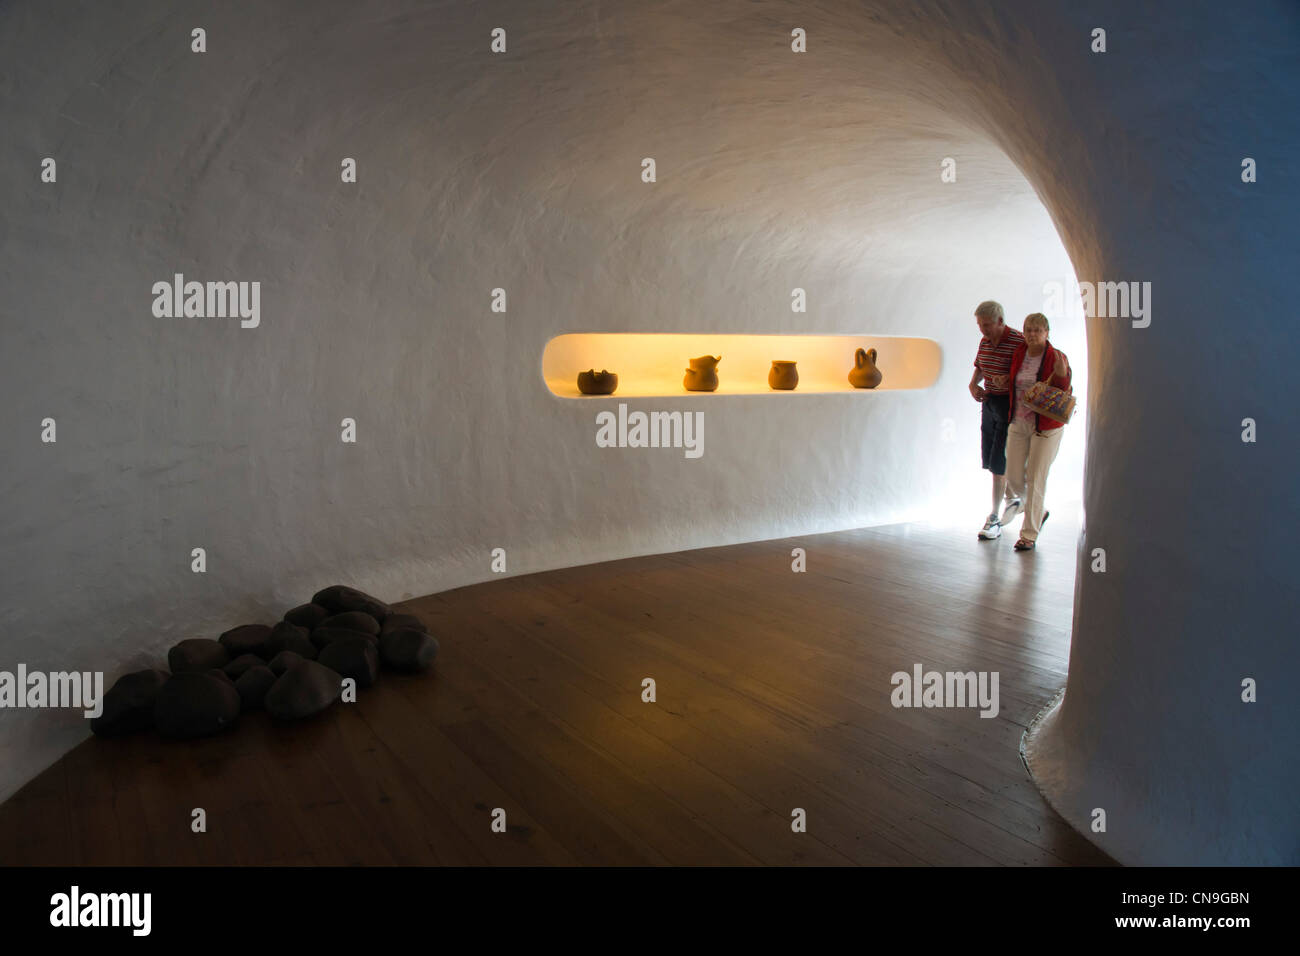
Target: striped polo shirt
<point x="995" y="361"/>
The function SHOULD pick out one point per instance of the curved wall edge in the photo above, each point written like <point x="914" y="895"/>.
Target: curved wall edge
<point x="1155" y="727"/>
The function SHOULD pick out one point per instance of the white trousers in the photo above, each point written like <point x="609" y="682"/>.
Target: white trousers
<point x="1029" y="457"/>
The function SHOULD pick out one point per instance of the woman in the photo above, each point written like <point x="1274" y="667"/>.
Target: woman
<point x="1033" y="440"/>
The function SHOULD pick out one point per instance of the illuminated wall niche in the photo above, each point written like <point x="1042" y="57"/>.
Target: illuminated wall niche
<point x="652" y="364"/>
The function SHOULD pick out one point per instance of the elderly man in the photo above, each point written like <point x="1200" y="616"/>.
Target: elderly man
<point x="993" y="365"/>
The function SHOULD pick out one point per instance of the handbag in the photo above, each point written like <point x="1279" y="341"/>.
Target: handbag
<point x="1055" y="403"/>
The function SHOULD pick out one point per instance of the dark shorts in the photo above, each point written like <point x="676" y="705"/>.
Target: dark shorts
<point x="993" y="433"/>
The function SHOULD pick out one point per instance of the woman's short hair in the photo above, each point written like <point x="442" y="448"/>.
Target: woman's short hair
<point x="1038" y="321"/>
<point x="990" y="310"/>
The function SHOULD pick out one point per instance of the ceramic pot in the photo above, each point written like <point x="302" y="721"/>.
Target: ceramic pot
<point x="592" y="382"/>
<point x="702" y="376"/>
<point x="783" y="375"/>
<point x="864" y="373"/>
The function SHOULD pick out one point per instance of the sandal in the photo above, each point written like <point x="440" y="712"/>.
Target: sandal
<point x="1023" y="545"/>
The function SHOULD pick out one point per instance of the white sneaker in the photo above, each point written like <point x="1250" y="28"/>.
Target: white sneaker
<point x="992" y="529"/>
<point x="1011" y="510"/>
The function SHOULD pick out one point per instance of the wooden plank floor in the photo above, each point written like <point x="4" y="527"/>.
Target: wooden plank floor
<point x="773" y="694"/>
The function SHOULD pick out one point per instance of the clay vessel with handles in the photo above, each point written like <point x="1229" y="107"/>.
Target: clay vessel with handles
<point x="783" y="376"/>
<point x="702" y="376"/>
<point x="864" y="373"/>
<point x="592" y="382"/>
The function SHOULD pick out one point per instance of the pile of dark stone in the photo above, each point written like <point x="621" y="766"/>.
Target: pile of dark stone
<point x="292" y="670"/>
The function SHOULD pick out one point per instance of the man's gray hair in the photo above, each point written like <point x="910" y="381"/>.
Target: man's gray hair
<point x="990" y="310"/>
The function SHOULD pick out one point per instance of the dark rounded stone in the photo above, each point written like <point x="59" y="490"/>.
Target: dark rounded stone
<point x="290" y="637"/>
<point x="195" y="705"/>
<point x="245" y="639"/>
<point x="284" y="660"/>
<point x="253" y="685"/>
<point x="324" y="636"/>
<point x="355" y="657"/>
<point x="407" y="650"/>
<point x="303" y="690"/>
<point x="340" y="598"/>
<point x="197" y="654"/>
<point x="128" y="705"/>
<point x="352" y="621"/>
<point x="306" y="615"/>
<point x="236" y="668"/>
<point x="220" y="673"/>
<point x="403" y="622"/>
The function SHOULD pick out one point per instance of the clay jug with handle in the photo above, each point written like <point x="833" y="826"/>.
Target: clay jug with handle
<point x="864" y="373"/>
<point x="783" y="376"/>
<point x="702" y="376"/>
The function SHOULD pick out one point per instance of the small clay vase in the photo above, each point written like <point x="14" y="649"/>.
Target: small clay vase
<point x="783" y="376"/>
<point x="702" y="376"/>
<point x="592" y="382"/>
<point x="864" y="373"/>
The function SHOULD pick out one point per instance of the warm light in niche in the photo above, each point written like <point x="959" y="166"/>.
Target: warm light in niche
<point x="653" y="363"/>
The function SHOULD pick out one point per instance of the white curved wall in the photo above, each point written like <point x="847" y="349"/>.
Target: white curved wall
<point x="520" y="171"/>
<point x="1137" y="154"/>
<point x="775" y="171"/>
